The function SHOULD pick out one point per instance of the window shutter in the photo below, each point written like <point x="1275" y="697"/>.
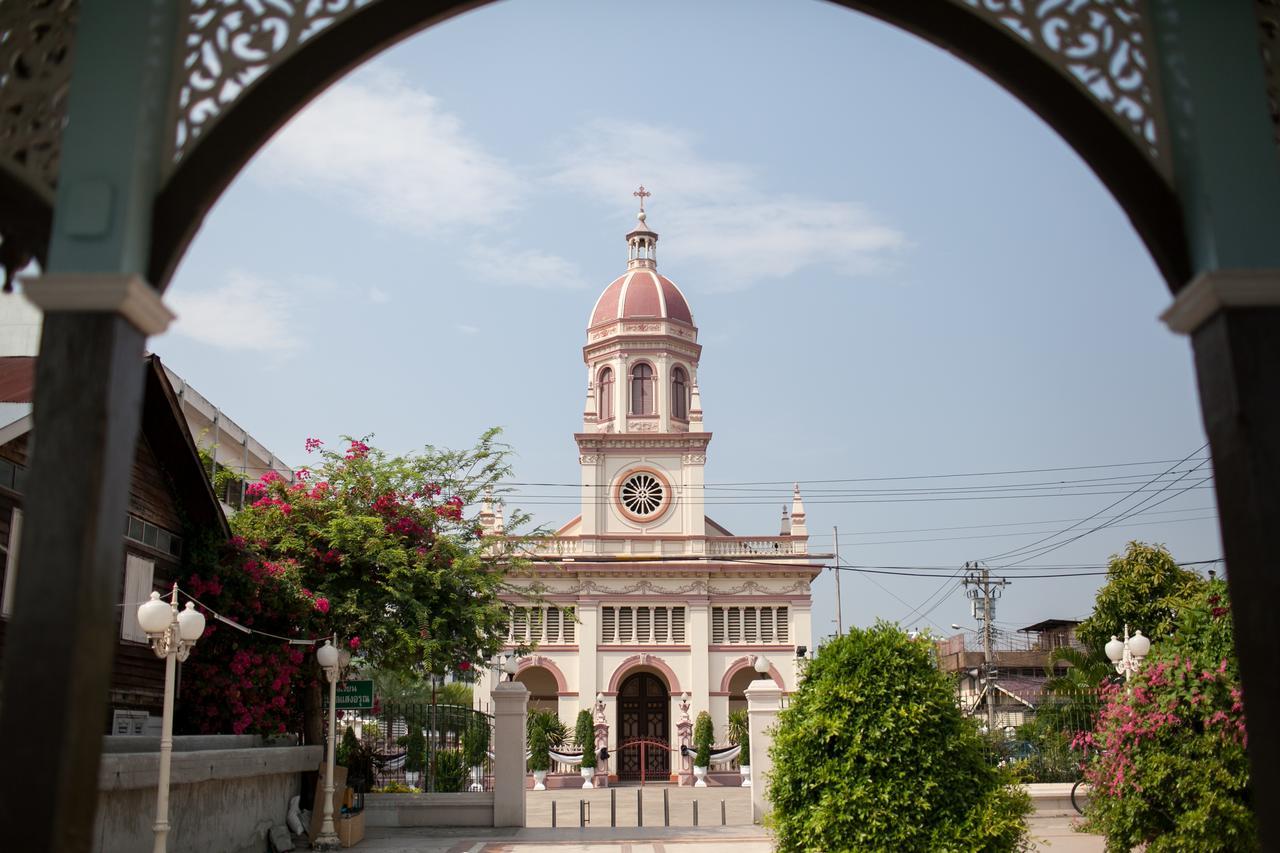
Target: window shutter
<point x="139" y="575"/>
<point x="608" y="624"/>
<point x="717" y="625"/>
<point x="677" y="625"/>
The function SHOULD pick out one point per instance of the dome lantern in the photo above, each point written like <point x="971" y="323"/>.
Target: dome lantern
<point x="642" y="241"/>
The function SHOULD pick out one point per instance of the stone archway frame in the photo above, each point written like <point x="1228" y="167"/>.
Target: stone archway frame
<point x="1024" y="52"/>
<point x="748" y="662"/>
<point x="645" y="659"/>
<point x="541" y="662"/>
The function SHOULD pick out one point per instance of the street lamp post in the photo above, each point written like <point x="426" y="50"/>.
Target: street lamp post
<point x="1127" y="655"/>
<point x="331" y="661"/>
<point x="172" y="634"/>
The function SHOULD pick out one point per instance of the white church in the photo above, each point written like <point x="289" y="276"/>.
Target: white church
<point x="645" y="600"/>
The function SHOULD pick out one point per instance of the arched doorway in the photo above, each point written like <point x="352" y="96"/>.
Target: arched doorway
<point x="543" y="692"/>
<point x="644" y="714"/>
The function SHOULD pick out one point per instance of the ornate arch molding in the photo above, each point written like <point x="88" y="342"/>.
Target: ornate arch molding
<point x="745" y="663"/>
<point x="645" y="659"/>
<point x="540" y="662"/>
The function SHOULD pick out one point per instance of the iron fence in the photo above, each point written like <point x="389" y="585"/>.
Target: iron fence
<point x="452" y="738"/>
<point x="1036" y="735"/>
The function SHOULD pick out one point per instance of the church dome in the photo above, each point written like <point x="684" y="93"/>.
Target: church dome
<point x="641" y="294"/>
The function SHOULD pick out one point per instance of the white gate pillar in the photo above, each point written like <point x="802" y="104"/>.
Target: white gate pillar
<point x="510" y="704"/>
<point x="764" y="701"/>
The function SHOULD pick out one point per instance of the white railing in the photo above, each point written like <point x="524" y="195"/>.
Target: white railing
<point x="553" y="546"/>
<point x="759" y="546"/>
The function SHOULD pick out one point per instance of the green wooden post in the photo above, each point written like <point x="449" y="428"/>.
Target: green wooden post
<point x="1227" y="175"/>
<point x="61" y="639"/>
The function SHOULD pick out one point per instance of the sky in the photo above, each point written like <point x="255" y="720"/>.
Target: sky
<point x="898" y="272"/>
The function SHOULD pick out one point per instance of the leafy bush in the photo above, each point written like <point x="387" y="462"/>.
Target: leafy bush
<point x="415" y="751"/>
<point x="1170" y="770"/>
<point x="451" y="772"/>
<point x="738" y="733"/>
<point x="703" y="737"/>
<point x="396" y="788"/>
<point x="874" y="755"/>
<point x="475" y="741"/>
<point x="585" y="733"/>
<point x="349" y="744"/>
<point x="556" y="731"/>
<point x="539" y="748"/>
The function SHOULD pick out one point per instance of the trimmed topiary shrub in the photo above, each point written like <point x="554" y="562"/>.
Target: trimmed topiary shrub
<point x="539" y="748"/>
<point x="874" y="755"/>
<point x="415" y="757"/>
<point x="585" y="733"/>
<point x="475" y="741"/>
<point x="1169" y="771"/>
<point x="451" y="772"/>
<point x="703" y="737"/>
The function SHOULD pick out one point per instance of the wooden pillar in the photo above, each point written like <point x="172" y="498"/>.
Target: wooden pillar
<point x="89" y="385"/>
<point x="1227" y="177"/>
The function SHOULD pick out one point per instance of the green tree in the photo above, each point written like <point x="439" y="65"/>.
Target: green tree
<point x="415" y="757"/>
<point x="556" y="731"/>
<point x="1145" y="588"/>
<point x="539" y="747"/>
<point x="874" y="755"/>
<point x="1169" y="770"/>
<point x="584" y="733"/>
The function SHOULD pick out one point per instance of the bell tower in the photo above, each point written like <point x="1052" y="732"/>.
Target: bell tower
<point x="643" y="446"/>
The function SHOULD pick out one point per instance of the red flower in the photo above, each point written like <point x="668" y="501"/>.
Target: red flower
<point x="464" y="666"/>
<point x="354" y="643"/>
<point x="322" y="604"/>
<point x="314" y="444"/>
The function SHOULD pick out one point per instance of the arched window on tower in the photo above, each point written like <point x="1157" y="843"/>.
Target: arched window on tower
<point x="605" y="400"/>
<point x="642" y="390"/>
<point x="679" y="394"/>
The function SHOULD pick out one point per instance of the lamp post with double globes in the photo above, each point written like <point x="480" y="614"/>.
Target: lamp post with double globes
<point x="172" y="634"/>
<point x="1127" y="655"/>
<point x="332" y="661"/>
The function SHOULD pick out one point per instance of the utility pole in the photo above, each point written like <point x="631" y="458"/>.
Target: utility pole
<point x="982" y="592"/>
<point x="835" y="534"/>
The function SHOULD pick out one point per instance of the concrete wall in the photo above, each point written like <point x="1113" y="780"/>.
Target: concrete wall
<point x="221" y="800"/>
<point x="429" y="809"/>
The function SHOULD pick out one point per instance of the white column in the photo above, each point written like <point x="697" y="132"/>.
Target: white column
<point x="699" y="629"/>
<point x="764" y="700"/>
<point x="510" y="704"/>
<point x="589" y="677"/>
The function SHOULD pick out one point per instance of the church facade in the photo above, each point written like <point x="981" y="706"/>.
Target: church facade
<point x="645" y="601"/>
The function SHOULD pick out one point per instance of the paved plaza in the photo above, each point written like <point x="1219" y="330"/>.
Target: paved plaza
<point x="1050" y="832"/>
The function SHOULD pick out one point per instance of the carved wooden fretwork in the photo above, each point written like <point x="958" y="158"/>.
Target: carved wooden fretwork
<point x="1105" y="47"/>
<point x="1269" y="33"/>
<point x="228" y="44"/>
<point x="36" y="38"/>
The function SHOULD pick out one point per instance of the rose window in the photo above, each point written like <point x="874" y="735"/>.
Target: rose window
<point x="642" y="494"/>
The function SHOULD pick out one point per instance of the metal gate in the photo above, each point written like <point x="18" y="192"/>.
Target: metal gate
<point x="642" y="759"/>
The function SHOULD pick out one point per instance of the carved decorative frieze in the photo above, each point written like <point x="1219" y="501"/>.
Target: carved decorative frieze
<point x="228" y="44"/>
<point x="1269" y="34"/>
<point x="644" y="587"/>
<point x="694" y="459"/>
<point x="642" y="426"/>
<point x="36" y="41"/>
<point x="1105" y="47"/>
<point x="588" y="459"/>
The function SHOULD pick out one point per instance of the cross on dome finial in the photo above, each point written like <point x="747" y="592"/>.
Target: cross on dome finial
<point x="642" y="194"/>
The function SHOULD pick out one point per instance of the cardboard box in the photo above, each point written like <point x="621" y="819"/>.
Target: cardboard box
<point x="317" y="809"/>
<point x="350" y="828"/>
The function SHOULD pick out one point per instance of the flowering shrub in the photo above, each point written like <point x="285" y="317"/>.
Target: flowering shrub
<point x="873" y="754"/>
<point x="1169" y="767"/>
<point x="374" y="548"/>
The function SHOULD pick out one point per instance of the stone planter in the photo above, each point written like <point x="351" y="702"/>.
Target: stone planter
<point x="477" y="778"/>
<point x="700" y="774"/>
<point x="411" y="778"/>
<point x="588" y="773"/>
<point x="539" y="780"/>
<point x="745" y="770"/>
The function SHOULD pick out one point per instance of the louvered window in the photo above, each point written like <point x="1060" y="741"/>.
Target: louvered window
<point x="626" y="625"/>
<point x="677" y="624"/>
<point x="660" y="628"/>
<point x="748" y="625"/>
<point x="641" y="625"/>
<point x="553" y="625"/>
<point x="609" y="625"/>
<point x="569" y="621"/>
<point x="644" y="625"/>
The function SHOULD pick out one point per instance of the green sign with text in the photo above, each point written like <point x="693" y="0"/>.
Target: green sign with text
<point x="355" y="695"/>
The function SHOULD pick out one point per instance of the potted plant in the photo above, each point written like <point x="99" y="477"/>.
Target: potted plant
<point x="475" y="747"/>
<point x="738" y="734"/>
<point x="585" y="733"/>
<point x="415" y="756"/>
<point x="703" y="735"/>
<point x="539" y="755"/>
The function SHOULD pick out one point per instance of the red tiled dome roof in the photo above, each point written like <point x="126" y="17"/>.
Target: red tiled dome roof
<point x="641" y="294"/>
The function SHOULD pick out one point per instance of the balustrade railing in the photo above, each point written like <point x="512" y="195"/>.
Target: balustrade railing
<point x="758" y="546"/>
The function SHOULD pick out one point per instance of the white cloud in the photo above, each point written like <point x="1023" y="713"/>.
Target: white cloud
<point x="466" y="329"/>
<point x="378" y="296"/>
<point x="505" y="264"/>
<point x="246" y="313"/>
<point x="387" y="149"/>
<point x="712" y="213"/>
